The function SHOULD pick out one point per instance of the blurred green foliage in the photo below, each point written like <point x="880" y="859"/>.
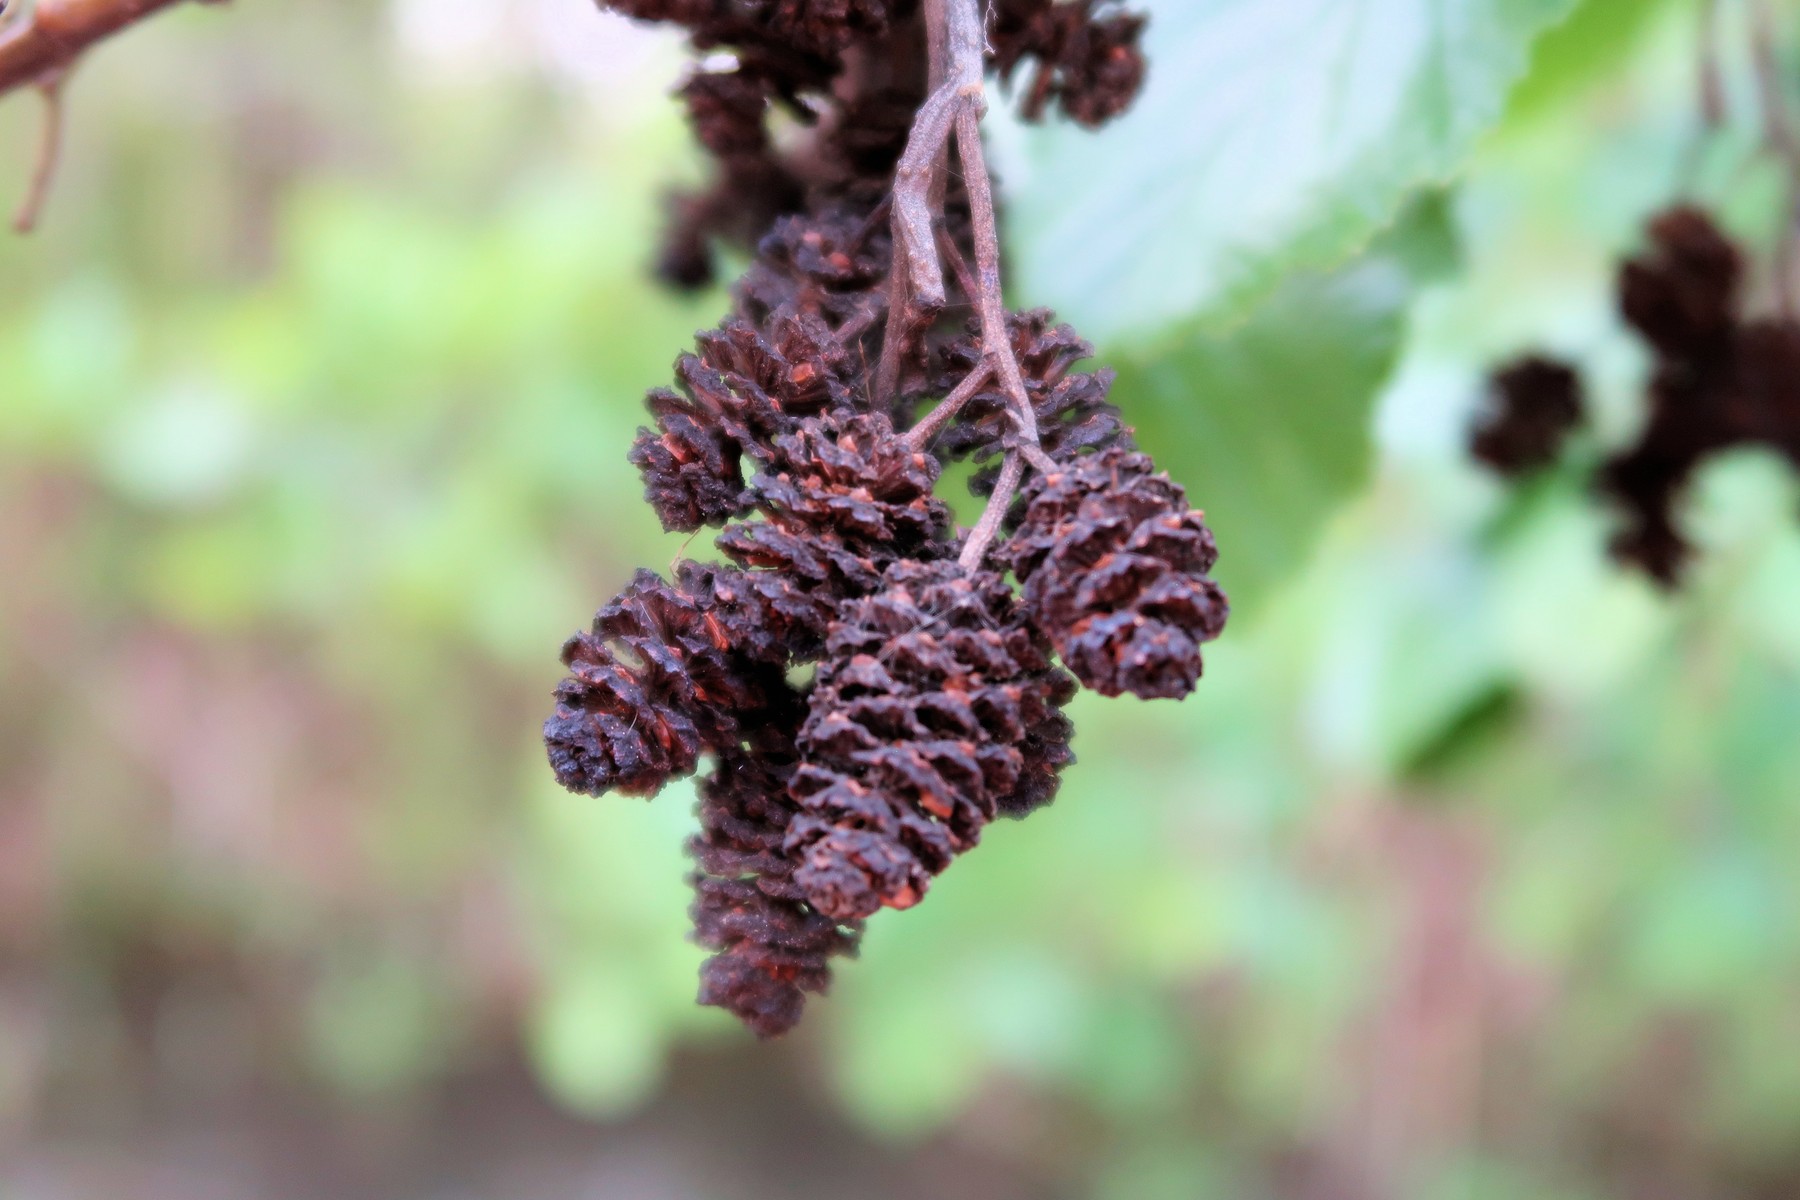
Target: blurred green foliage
<point x="1467" y="873"/>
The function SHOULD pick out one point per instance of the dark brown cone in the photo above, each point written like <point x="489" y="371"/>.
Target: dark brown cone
<point x="1747" y="393"/>
<point x="656" y="682"/>
<point x="843" y="499"/>
<point x="1114" y="566"/>
<point x="1086" y="54"/>
<point x="1769" y="381"/>
<point x="753" y="185"/>
<point x="830" y="265"/>
<point x="1718" y="383"/>
<point x="1683" y="294"/>
<point x="772" y="949"/>
<point x="736" y="395"/>
<point x="1534" y="404"/>
<point x="935" y="709"/>
<point x="726" y="109"/>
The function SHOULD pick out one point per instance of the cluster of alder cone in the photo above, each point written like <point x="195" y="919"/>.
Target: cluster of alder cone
<point x="1722" y="379"/>
<point x="866" y="347"/>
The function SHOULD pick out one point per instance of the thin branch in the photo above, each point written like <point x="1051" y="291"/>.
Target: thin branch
<point x="916" y="281"/>
<point x="58" y="31"/>
<point x="855" y="325"/>
<point x="953" y="33"/>
<point x="913" y="241"/>
<point x="959" y="266"/>
<point x="990" y="302"/>
<point x="920" y="435"/>
<point x="1778" y="121"/>
<point x="1034" y="457"/>
<point x="916" y="284"/>
<point x="982" y="536"/>
<point x="1780" y="136"/>
<point x="49" y="155"/>
<point x="1710" y="95"/>
<point x="1712" y="78"/>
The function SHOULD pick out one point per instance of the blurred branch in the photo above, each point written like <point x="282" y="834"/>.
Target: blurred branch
<point x="1712" y="78"/>
<point x="45" y="41"/>
<point x="1782" y="139"/>
<point x="49" y="152"/>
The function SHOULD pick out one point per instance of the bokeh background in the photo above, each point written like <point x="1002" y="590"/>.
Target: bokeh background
<point x="1469" y="872"/>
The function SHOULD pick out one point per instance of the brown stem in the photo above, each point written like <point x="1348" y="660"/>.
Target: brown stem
<point x="916" y="283"/>
<point x="1036" y="458"/>
<point x="1778" y="124"/>
<point x="959" y="266"/>
<point x="58" y="31"/>
<point x="920" y="435"/>
<point x="49" y="155"/>
<point x="914" y="244"/>
<point x="982" y="536"/>
<point x="990" y="302"/>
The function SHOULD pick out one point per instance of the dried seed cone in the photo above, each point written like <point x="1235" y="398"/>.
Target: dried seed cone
<point x="828" y="264"/>
<point x="1087" y="55"/>
<point x="937" y="705"/>
<point x="772" y="948"/>
<point x="657" y="681"/>
<point x="1683" y="294"/>
<point x="1534" y="404"/>
<point x="935" y="709"/>
<point x="1114" y="566"/>
<point x="740" y="392"/>
<point x="843" y="499"/>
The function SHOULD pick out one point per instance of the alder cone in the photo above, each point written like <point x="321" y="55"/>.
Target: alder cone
<point x="828" y="265"/>
<point x="1709" y="390"/>
<point x="656" y="682"/>
<point x="1647" y="479"/>
<point x="843" y="499"/>
<point x="937" y="705"/>
<point x="753" y="185"/>
<point x="935" y="709"/>
<point x="1769" y="382"/>
<point x="736" y="395"/>
<point x="772" y="948"/>
<point x="1683" y="294"/>
<point x="1534" y="404"/>
<point x="1114" y="566"/>
<point x="1086" y="51"/>
<point x="1746" y="392"/>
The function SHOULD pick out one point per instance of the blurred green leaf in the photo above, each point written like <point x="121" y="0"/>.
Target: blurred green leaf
<point x="1599" y="38"/>
<point x="1270" y="137"/>
<point x="1704" y="929"/>
<point x="1267" y="424"/>
<point x="597" y="1042"/>
<point x="1477" y="724"/>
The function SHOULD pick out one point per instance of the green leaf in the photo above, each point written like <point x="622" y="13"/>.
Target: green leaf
<point x="1267" y="424"/>
<point x="1598" y="40"/>
<point x="1270" y="137"/>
